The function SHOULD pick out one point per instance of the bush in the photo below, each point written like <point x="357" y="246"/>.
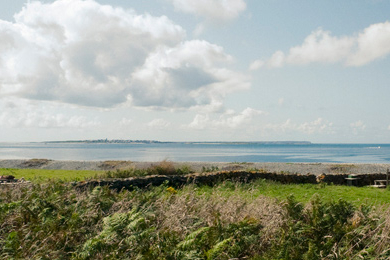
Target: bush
<point x="312" y="232"/>
<point x="162" y="168"/>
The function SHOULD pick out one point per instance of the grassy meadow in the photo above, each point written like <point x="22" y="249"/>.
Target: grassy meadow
<point x="49" y="219"/>
<point x="43" y="175"/>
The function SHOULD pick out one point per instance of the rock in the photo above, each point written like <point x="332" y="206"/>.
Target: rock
<point x="7" y="177"/>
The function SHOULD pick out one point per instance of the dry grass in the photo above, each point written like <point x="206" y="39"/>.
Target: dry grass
<point x="191" y="210"/>
<point x="114" y="165"/>
<point x="341" y="168"/>
<point x="35" y="163"/>
<point x="164" y="167"/>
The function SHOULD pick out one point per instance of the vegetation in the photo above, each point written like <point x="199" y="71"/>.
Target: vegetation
<point x="210" y="169"/>
<point x="303" y="192"/>
<point x="258" y="220"/>
<point x="43" y="175"/>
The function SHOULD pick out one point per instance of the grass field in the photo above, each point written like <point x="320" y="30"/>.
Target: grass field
<point x="304" y="192"/>
<point x="42" y="175"/>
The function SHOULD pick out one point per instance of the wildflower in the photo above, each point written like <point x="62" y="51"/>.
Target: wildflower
<point x="171" y="190"/>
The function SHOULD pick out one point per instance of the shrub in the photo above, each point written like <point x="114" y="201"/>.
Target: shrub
<point x="163" y="168"/>
<point x="312" y="232"/>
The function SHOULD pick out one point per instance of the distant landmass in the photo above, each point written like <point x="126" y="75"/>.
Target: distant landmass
<point x="121" y="141"/>
<point x="108" y="141"/>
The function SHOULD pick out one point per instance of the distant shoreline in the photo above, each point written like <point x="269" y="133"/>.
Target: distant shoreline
<point x="118" y="141"/>
<point x="278" y="167"/>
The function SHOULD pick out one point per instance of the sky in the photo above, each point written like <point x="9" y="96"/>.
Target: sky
<point x="205" y="70"/>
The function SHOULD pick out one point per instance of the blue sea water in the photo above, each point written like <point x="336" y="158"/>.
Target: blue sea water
<point x="208" y="152"/>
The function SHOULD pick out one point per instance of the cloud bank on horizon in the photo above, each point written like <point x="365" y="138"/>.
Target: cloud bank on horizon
<point x="77" y="68"/>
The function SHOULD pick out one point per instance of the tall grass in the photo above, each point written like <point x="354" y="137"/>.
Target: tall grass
<point x="54" y="221"/>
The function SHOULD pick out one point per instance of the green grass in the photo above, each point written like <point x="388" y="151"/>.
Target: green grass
<point x="304" y="192"/>
<point x="42" y="175"/>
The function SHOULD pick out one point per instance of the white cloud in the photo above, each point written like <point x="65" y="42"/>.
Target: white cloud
<point x="200" y="122"/>
<point x="257" y="64"/>
<point x="217" y="10"/>
<point x="159" y="123"/>
<point x="321" y="47"/>
<point x="26" y="114"/>
<point x="317" y="126"/>
<point x="314" y="127"/>
<point x="251" y="122"/>
<point x="230" y="119"/>
<point x="215" y="106"/>
<point x="126" y="122"/>
<point x="186" y="75"/>
<point x="358" y="126"/>
<point x="277" y="60"/>
<point x="84" y="53"/>
<point x="373" y="43"/>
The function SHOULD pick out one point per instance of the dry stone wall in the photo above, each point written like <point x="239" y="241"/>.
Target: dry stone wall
<point x="213" y="178"/>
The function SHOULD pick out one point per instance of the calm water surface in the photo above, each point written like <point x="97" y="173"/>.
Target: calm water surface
<point x="219" y="152"/>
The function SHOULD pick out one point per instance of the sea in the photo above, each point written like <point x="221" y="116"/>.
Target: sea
<point x="289" y="152"/>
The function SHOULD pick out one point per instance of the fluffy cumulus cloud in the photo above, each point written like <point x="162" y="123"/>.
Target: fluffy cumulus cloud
<point x="372" y="43"/>
<point x="218" y="10"/>
<point x="84" y="53"/>
<point x="230" y="119"/>
<point x="185" y="76"/>
<point x="321" y="47"/>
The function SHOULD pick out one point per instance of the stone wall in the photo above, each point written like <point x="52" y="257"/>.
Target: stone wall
<point x="362" y="180"/>
<point x="213" y="178"/>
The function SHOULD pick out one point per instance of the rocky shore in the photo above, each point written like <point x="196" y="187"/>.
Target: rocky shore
<point x="299" y="168"/>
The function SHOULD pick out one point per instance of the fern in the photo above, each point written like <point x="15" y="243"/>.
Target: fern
<point x="219" y="249"/>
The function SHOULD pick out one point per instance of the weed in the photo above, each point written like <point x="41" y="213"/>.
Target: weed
<point x="342" y="168"/>
<point x="210" y="169"/>
<point x="35" y="163"/>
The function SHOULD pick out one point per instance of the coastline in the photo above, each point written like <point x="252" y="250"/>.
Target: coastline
<point x="277" y="167"/>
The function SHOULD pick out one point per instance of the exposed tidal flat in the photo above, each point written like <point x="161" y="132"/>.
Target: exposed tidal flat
<point x="277" y="167"/>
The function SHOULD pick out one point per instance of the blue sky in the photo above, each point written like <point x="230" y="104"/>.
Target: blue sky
<point x="206" y="70"/>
